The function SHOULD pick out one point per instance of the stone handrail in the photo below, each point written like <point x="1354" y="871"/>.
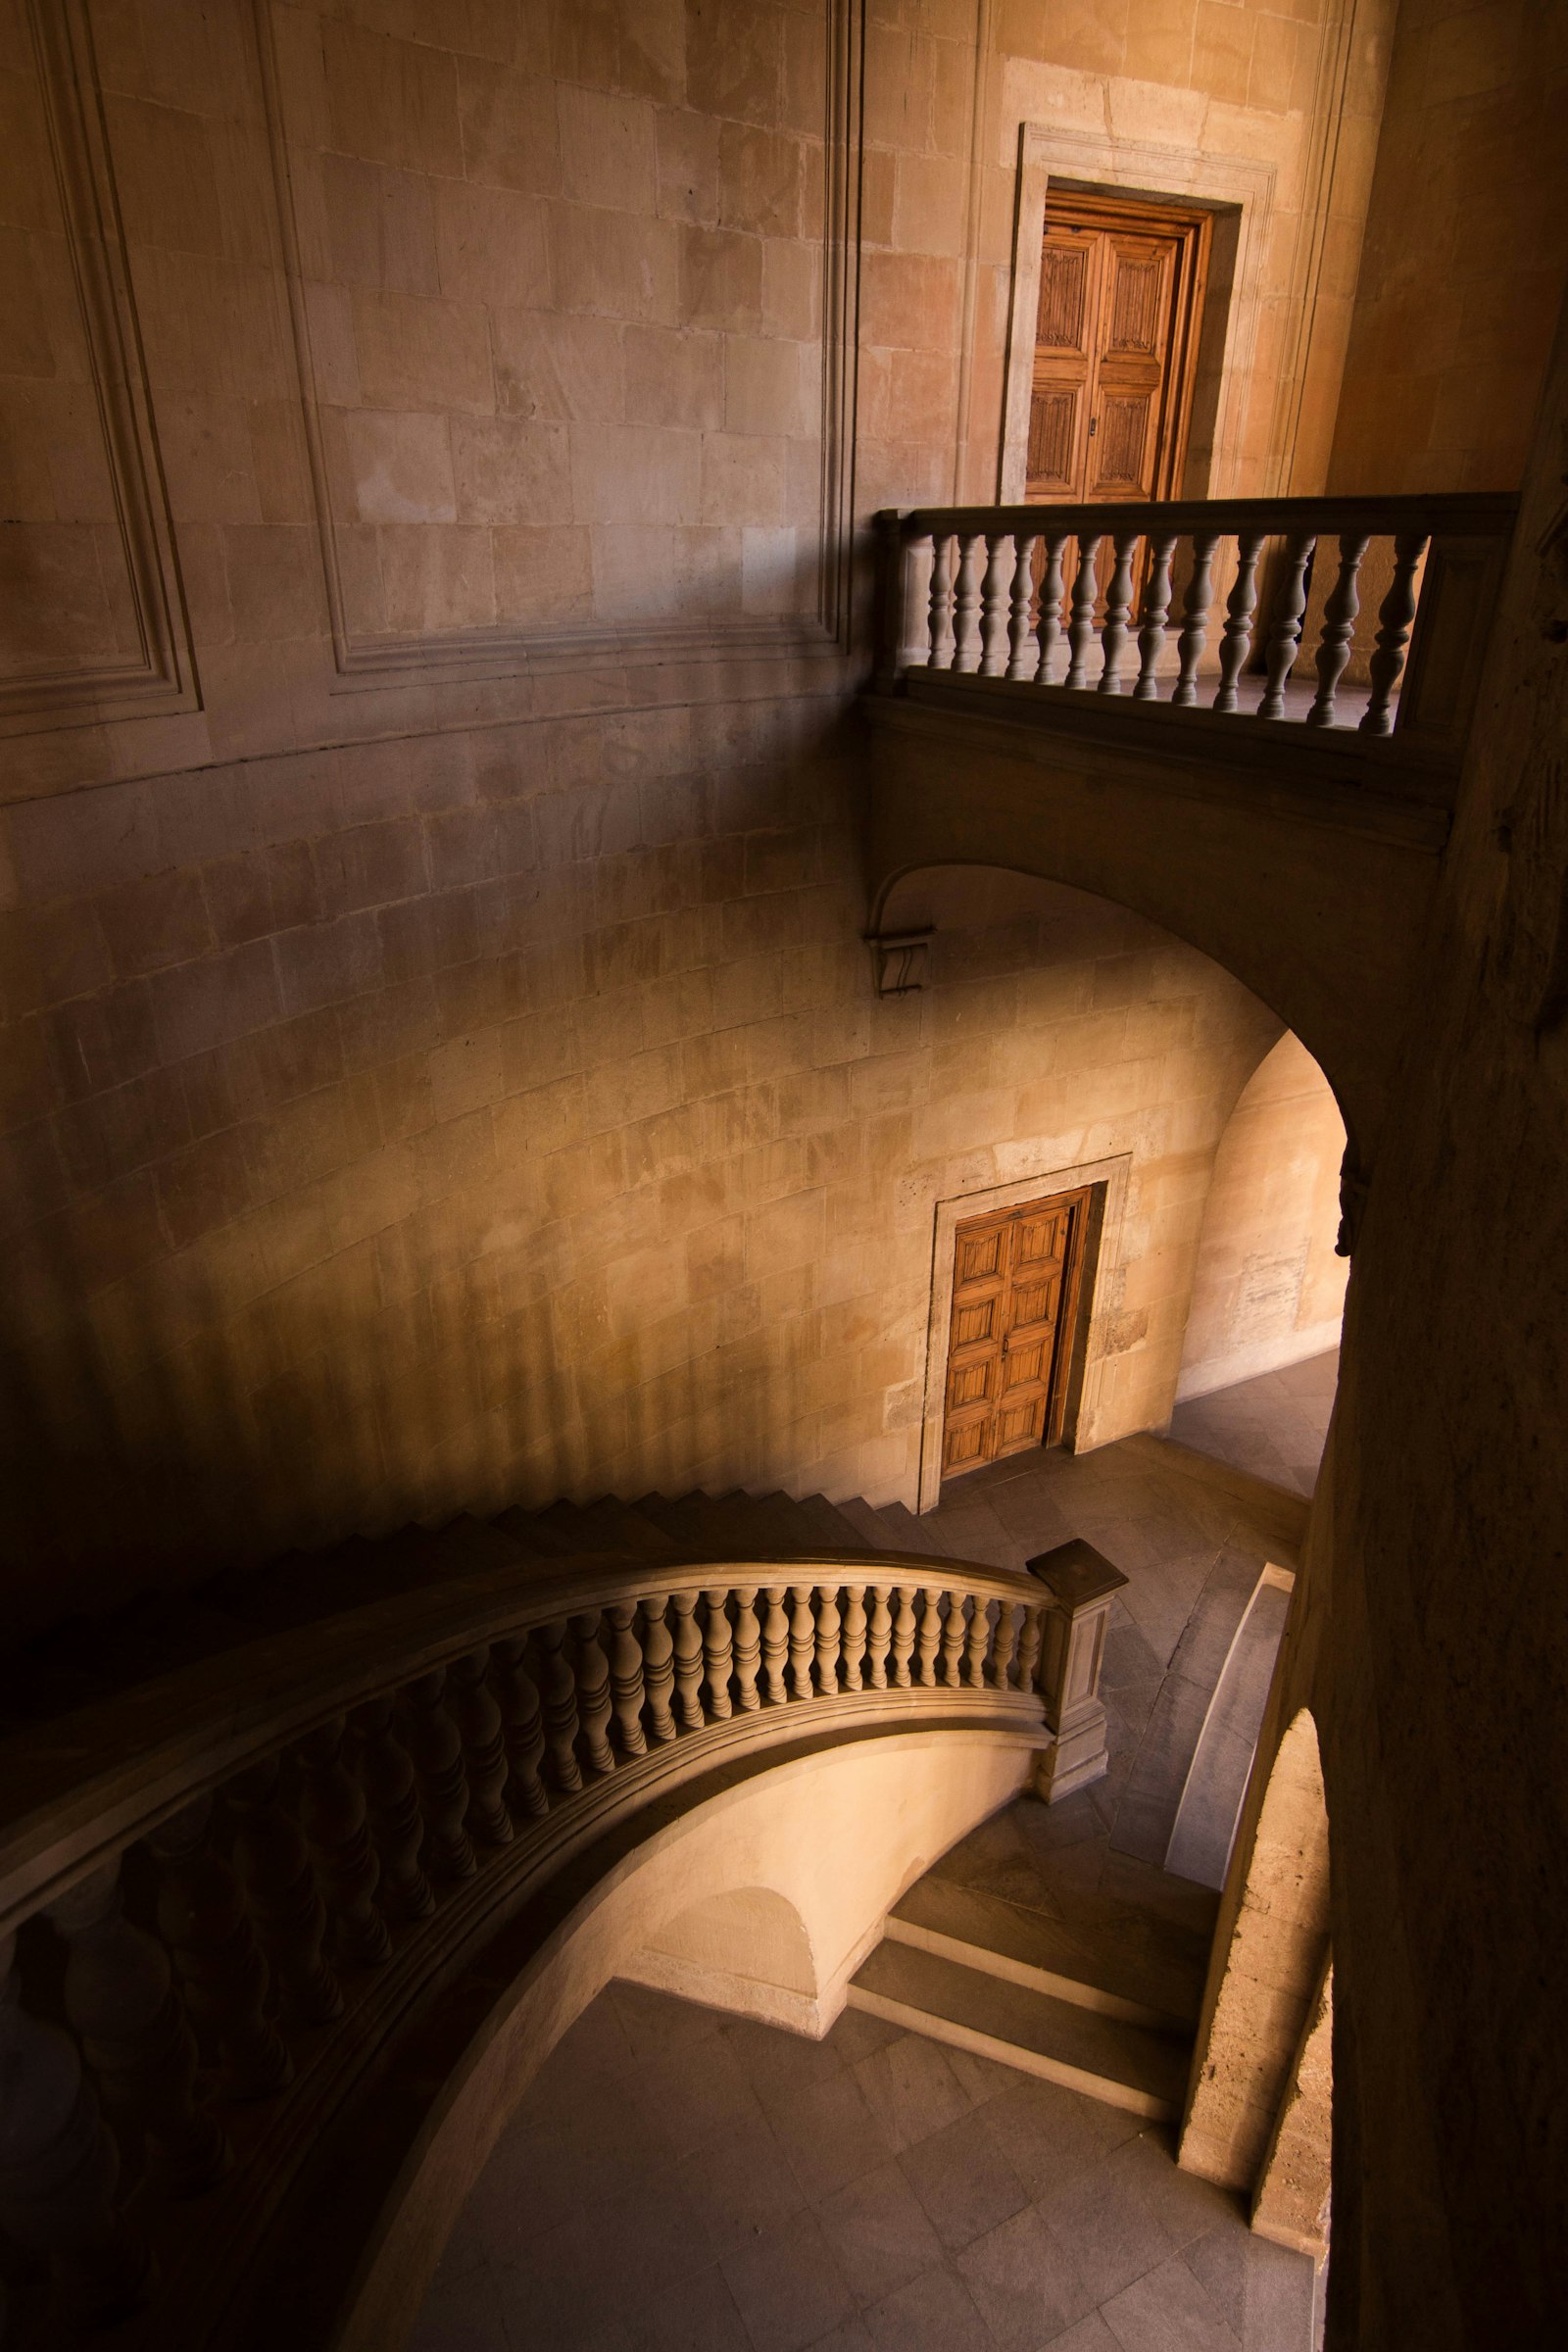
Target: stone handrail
<point x="227" y="1893"/>
<point x="1086" y="600"/>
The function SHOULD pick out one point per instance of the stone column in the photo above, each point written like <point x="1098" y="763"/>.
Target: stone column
<point x="1082" y="1585"/>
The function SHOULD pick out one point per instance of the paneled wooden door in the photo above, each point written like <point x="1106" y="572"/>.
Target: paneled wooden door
<point x="1015" y="1282"/>
<point x="1115" y="348"/>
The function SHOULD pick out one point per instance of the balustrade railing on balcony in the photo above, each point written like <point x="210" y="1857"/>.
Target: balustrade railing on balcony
<point x="224" y="1893"/>
<point x="1201" y="606"/>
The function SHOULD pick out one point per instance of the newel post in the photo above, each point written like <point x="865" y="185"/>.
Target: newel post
<point x="1082" y="1585"/>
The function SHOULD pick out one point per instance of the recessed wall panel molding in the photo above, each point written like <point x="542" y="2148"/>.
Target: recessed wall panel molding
<point x="576" y="359"/>
<point x="92" y="625"/>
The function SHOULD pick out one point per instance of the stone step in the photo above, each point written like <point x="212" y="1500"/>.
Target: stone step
<point x="987" y="1932"/>
<point x="826" y="1528"/>
<point x="907" y="1531"/>
<point x="1127" y="2066"/>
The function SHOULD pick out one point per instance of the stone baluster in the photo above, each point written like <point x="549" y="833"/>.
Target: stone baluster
<point x="777" y="1644"/>
<point x="1004" y="1651"/>
<point x="953" y="1633"/>
<point x="1395" y="617"/>
<point x="279" y="1882"/>
<point x="391" y="1794"/>
<point x="658" y="1666"/>
<point x="557" y="1699"/>
<point x="996" y="605"/>
<point x="854" y="1635"/>
<point x="904" y="1633"/>
<point x="941" y="630"/>
<point x="880" y="1639"/>
<point x="1155" y="613"/>
<point x="828" y="1641"/>
<point x="1027" y="1666"/>
<point x="122" y="2005"/>
<point x="1081" y="627"/>
<point x="58" y="2168"/>
<point x="688" y="1662"/>
<point x="437" y="1753"/>
<point x="1339" y="627"/>
<point x="626" y="1677"/>
<point x="1236" y="638"/>
<point x="974" y="1656"/>
<point x="476" y="1712"/>
<point x="1285" y="636"/>
<point x="337" y="1819"/>
<point x="592" y="1669"/>
<point x="1048" y="626"/>
<point x="930" y="1637"/>
<point x="1195" y="619"/>
<point x="1082" y="1585"/>
<point x="748" y="1648"/>
<point x="802" y="1643"/>
<point x="1119" y="609"/>
<point x="1021" y="654"/>
<point x="204" y="1924"/>
<point x="966" y="603"/>
<point x="718" y="1651"/>
<point x="522" y="1725"/>
<point x="894" y="554"/>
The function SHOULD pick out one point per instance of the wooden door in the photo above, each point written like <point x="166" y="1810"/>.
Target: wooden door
<point x="1015" y="1278"/>
<point x="1116" y="343"/>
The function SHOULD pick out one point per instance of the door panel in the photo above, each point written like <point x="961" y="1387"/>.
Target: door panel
<point x="1013" y="1307"/>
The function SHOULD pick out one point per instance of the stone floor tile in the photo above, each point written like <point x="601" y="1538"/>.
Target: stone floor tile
<point x="1050" y="2135"/>
<point x="911" y="2089"/>
<point x="1025" y="2282"/>
<point x="739" y="2186"/>
<point x="1264" y="2292"/>
<point x="852" y="2337"/>
<point x="1089" y="2334"/>
<point x="656" y="2021"/>
<point x="933" y="2314"/>
<point x="780" y="2065"/>
<point x="1186" y="2207"/>
<point x="690" y="2096"/>
<point x="1167" y="2311"/>
<point x="787" y="2286"/>
<point x="855" y="2033"/>
<point x="880" y="2232"/>
<point x="698" y="2314"/>
<point x="462" y="2314"/>
<point x="830" y="2135"/>
<point x="964" y="2180"/>
<point x="1115" y="2232"/>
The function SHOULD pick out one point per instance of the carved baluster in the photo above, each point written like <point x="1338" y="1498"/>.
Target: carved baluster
<point x="122" y="2005"/>
<point x="558" y="1698"/>
<point x="1195" y="617"/>
<point x="688" y="1662"/>
<point x="1339" y="627"/>
<point x="717" y="1652"/>
<point x="995" y="605"/>
<point x="1081" y="627"/>
<point x="1021" y="653"/>
<point x="592" y="1669"/>
<point x="1156" y="609"/>
<point x="626" y="1677"/>
<point x="777" y="1644"/>
<point x="1285" y="636"/>
<point x="881" y="1640"/>
<point x="522" y="1725"/>
<point x="335" y="1818"/>
<point x="279" y="1882"/>
<point x="58" y="2168"/>
<point x="1236" y="640"/>
<point x="802" y="1643"/>
<point x="386" y="1771"/>
<point x="1026" y="1672"/>
<point x="748" y="1648"/>
<point x="202" y="1919"/>
<point x="941" y="632"/>
<point x="1394" y="615"/>
<point x="904" y="1631"/>
<point x="966" y="603"/>
<point x="930" y="1637"/>
<point x="1119" y="609"/>
<point x="953" y="1642"/>
<point x="854" y="1635"/>
<point x="437" y="1754"/>
<point x="477" y="1715"/>
<point x="658" y="1666"/>
<point x="1048" y="628"/>
<point x="828" y="1643"/>
<point x="1005" y="1655"/>
<point x="974" y="1657"/>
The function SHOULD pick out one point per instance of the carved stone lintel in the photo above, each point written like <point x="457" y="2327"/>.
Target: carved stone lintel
<point x="1082" y="1584"/>
<point x="898" y="961"/>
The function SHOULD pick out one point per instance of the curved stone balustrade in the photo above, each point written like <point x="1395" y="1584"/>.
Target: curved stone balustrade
<point x="237" y="1902"/>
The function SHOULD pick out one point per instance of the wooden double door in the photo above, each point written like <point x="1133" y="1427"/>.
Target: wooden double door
<point x="1015" y="1282"/>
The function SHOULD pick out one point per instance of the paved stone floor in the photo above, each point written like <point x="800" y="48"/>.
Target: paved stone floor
<point x="682" y="2182"/>
<point x="1273" y="1426"/>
